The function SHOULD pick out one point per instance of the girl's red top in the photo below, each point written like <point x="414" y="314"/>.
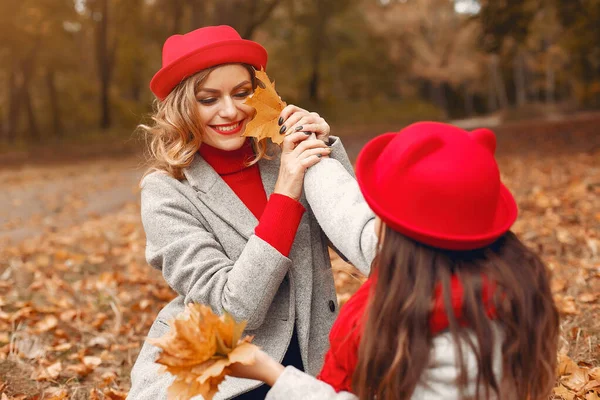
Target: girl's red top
<point x="345" y="335"/>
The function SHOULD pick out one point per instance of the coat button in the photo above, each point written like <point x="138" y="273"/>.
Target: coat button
<point x="331" y="305"/>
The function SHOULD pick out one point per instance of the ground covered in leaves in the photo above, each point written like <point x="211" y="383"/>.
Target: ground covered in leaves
<point x="77" y="299"/>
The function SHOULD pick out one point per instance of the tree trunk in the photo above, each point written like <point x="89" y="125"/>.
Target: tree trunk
<point x="316" y="39"/>
<point x="34" y="132"/>
<point x="14" y="105"/>
<point x="104" y="66"/>
<point x="439" y="93"/>
<point x="228" y="12"/>
<point x="19" y="96"/>
<point x="177" y="16"/>
<point x="198" y="16"/>
<point x="54" y="103"/>
<point x="313" y="84"/>
<point x="492" y="101"/>
<point x="519" y="77"/>
<point x="498" y="80"/>
<point x="258" y="18"/>
<point x="469" y="107"/>
<point x="550" y="85"/>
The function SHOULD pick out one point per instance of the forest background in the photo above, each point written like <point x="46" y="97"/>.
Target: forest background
<point x="79" y="69"/>
<point x="76" y="295"/>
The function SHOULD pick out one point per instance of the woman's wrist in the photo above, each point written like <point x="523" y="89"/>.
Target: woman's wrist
<point x="291" y="191"/>
<point x="271" y="370"/>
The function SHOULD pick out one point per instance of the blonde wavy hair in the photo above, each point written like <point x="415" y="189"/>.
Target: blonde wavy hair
<point x="175" y="135"/>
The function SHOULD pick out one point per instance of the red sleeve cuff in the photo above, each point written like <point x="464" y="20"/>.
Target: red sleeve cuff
<point x="279" y="222"/>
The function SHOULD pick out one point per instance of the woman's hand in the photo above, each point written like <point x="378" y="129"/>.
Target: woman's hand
<point x="264" y="369"/>
<point x="295" y="119"/>
<point x="298" y="153"/>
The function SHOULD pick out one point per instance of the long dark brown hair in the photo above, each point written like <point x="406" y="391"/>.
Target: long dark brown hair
<point x="396" y="342"/>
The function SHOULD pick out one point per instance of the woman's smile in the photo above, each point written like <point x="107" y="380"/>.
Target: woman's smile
<point x="229" y="129"/>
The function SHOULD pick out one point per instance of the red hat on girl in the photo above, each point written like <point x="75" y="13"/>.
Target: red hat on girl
<point x="184" y="55"/>
<point x="437" y="184"/>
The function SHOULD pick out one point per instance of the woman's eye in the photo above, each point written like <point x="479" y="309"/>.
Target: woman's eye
<point x="209" y="100"/>
<point x="243" y="94"/>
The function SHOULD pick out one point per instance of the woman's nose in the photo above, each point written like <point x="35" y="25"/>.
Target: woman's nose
<point x="228" y="110"/>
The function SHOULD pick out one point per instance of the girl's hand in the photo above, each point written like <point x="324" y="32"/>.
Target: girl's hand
<point x="298" y="152"/>
<point x="295" y="119"/>
<point x="264" y="369"/>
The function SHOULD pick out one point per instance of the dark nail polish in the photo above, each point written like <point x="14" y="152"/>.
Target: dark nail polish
<point x="299" y="128"/>
<point x="319" y="155"/>
<point x="307" y="133"/>
<point x="280" y="121"/>
<point x="283" y="128"/>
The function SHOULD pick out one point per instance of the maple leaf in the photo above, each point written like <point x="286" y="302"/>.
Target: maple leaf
<point x="198" y="350"/>
<point x="268" y="106"/>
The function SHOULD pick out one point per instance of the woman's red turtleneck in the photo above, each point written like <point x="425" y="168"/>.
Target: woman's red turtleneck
<point x="279" y="217"/>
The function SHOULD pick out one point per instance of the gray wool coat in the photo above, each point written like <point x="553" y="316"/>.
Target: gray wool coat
<point x="335" y="197"/>
<point x="201" y="237"/>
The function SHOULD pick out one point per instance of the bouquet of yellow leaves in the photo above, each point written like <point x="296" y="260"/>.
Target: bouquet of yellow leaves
<point x="198" y="350"/>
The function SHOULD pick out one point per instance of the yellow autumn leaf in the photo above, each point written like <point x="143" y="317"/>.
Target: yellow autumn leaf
<point x="577" y="380"/>
<point x="198" y="350"/>
<point x="268" y="106"/>
<point x="191" y="337"/>
<point x="563" y="392"/>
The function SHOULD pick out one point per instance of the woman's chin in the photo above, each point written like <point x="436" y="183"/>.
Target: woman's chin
<point x="229" y="143"/>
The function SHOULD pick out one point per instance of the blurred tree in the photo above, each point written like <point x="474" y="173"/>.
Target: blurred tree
<point x="439" y="43"/>
<point x="316" y="16"/>
<point x="106" y="46"/>
<point x="547" y="60"/>
<point x="244" y="15"/>
<point x="345" y="58"/>
<point x="506" y="22"/>
<point x="132" y="51"/>
<point x="307" y="36"/>
<point x="581" y="39"/>
<point x="33" y="37"/>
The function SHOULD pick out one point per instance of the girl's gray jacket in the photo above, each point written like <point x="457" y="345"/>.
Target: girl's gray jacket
<point x="201" y="237"/>
<point x="339" y="207"/>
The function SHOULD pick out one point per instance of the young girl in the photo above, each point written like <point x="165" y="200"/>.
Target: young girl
<point x="456" y="307"/>
<point x="226" y="225"/>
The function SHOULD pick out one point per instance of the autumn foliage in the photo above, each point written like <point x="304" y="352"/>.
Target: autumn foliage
<point x="268" y="106"/>
<point x="199" y="348"/>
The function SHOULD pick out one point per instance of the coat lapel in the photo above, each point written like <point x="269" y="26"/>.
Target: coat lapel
<point x="219" y="198"/>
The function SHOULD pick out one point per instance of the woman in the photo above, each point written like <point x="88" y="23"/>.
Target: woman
<point x="227" y="226"/>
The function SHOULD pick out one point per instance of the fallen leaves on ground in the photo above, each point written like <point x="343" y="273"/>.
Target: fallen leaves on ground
<point x="75" y="307"/>
<point x="268" y="106"/>
<point x="77" y="302"/>
<point x="199" y="348"/>
<point x="577" y="382"/>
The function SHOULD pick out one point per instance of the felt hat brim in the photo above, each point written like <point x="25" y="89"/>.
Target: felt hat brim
<point x="224" y="52"/>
